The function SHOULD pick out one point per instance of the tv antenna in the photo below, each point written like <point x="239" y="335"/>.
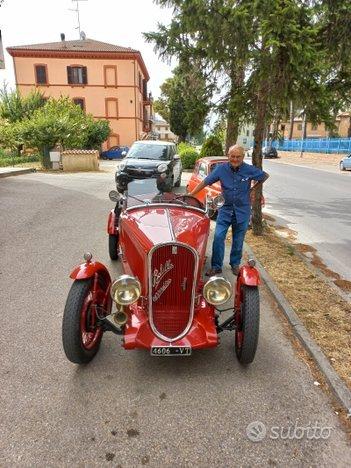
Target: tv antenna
<point x="78" y="18"/>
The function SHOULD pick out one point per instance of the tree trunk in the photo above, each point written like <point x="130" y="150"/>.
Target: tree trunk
<point x="237" y="75"/>
<point x="261" y="109"/>
<point x="45" y="157"/>
<point x="292" y="115"/>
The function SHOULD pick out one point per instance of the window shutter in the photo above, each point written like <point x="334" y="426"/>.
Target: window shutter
<point x="85" y="75"/>
<point x="69" y="75"/>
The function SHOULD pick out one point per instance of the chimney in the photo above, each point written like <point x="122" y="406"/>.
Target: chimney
<point x="62" y="37"/>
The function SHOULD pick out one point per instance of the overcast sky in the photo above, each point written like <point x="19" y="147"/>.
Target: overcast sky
<point x="120" y="22"/>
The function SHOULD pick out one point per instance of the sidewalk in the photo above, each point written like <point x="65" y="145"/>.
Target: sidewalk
<point x="11" y="171"/>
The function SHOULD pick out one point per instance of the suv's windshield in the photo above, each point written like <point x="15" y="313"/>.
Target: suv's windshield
<point x="147" y="151"/>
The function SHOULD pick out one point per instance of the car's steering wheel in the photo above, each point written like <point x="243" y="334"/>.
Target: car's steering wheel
<point x="189" y="200"/>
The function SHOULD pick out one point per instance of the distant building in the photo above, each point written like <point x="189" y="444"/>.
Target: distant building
<point x="162" y="129"/>
<point x="106" y="80"/>
<point x="343" y="128"/>
<point x="245" y="136"/>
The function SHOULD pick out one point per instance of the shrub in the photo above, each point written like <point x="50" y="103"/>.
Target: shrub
<point x="188" y="157"/>
<point x="211" y="147"/>
<point x="12" y="160"/>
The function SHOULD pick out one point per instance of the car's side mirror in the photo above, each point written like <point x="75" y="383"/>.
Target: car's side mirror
<point x="124" y="153"/>
<point x="114" y="196"/>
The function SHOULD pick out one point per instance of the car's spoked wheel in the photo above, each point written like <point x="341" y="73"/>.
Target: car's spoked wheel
<point x="247" y="325"/>
<point x="113" y="246"/>
<point x="81" y="333"/>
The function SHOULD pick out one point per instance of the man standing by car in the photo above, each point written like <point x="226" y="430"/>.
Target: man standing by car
<point x="235" y="177"/>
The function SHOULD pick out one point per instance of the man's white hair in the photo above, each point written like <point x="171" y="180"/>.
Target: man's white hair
<point x="237" y="147"/>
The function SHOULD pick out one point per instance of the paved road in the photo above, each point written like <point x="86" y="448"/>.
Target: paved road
<point x="126" y="408"/>
<point x="316" y="204"/>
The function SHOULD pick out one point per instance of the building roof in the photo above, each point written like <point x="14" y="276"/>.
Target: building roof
<point x="82" y="48"/>
<point x="86" y="45"/>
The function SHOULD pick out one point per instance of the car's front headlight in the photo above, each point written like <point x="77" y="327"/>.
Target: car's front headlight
<point x="125" y="290"/>
<point x="217" y="290"/>
<point x="121" y="166"/>
<point x="162" y="167"/>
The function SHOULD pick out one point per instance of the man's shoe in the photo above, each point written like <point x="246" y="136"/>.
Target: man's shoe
<point x="213" y="271"/>
<point x="235" y="270"/>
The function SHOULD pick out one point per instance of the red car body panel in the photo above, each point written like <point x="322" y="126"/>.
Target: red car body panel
<point x="141" y="228"/>
<point x="202" y="333"/>
<point x="88" y="270"/>
<point x="111" y="223"/>
<point x="206" y="166"/>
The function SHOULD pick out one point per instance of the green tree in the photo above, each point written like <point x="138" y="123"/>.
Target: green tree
<point x="212" y="147"/>
<point x="62" y="122"/>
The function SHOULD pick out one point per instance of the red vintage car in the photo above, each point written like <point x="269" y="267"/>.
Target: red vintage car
<point x="161" y="303"/>
<point x="203" y="167"/>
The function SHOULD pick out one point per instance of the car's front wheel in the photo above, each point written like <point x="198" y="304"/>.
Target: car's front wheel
<point x="113" y="246"/>
<point x="81" y="332"/>
<point x="342" y="167"/>
<point x="247" y="325"/>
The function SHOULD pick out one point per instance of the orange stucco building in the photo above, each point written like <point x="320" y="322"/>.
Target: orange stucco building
<point x="106" y="80"/>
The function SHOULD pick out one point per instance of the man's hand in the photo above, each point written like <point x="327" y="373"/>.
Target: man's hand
<point x="256" y="184"/>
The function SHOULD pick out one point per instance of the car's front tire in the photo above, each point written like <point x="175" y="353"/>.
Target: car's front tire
<point x="247" y="325"/>
<point x="342" y="167"/>
<point x="113" y="246"/>
<point x="81" y="335"/>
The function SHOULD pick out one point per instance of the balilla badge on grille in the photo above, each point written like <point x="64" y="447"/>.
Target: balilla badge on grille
<point x="162" y="289"/>
<point x="159" y="274"/>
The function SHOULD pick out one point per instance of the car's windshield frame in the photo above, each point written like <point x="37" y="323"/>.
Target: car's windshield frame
<point x="149" y="152"/>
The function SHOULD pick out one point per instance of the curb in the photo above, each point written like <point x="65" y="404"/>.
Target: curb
<point x="340" y="390"/>
<point x="17" y="172"/>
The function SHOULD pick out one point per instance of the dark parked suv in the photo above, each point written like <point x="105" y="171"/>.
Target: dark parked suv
<point x="150" y="158"/>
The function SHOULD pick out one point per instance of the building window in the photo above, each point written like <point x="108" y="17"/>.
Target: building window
<point x="166" y="136"/>
<point x="80" y="102"/>
<point x="41" y="75"/>
<point x="110" y="75"/>
<point x="247" y="132"/>
<point x="299" y="126"/>
<point x="77" y="75"/>
<point x="140" y="84"/>
<point x="111" y="107"/>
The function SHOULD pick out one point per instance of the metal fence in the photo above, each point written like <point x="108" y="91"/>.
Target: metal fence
<point x="315" y="145"/>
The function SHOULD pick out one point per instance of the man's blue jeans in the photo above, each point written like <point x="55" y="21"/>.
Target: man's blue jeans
<point x="238" y="231"/>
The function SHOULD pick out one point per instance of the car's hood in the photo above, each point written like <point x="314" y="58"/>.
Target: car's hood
<point x="143" y="163"/>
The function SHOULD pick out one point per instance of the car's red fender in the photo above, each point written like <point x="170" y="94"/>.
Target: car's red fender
<point x="89" y="269"/>
<point x="248" y="276"/>
<point x="111" y="223"/>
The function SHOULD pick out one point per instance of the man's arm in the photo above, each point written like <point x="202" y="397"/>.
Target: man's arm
<point x="258" y="183"/>
<point x="197" y="189"/>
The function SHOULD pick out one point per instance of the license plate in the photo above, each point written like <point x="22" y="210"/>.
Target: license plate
<point x="170" y="351"/>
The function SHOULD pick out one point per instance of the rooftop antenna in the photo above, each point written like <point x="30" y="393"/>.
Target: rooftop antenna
<point x="77" y="11"/>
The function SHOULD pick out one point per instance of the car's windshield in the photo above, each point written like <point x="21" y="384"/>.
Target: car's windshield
<point x="148" y="151"/>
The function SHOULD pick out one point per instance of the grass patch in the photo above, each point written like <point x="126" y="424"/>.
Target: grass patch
<point x="326" y="315"/>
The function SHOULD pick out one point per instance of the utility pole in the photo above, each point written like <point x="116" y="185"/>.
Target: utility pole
<point x="76" y="10"/>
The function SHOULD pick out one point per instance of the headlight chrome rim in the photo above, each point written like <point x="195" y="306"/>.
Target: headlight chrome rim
<point x="217" y="290"/>
<point x="125" y="290"/>
<point x="162" y="167"/>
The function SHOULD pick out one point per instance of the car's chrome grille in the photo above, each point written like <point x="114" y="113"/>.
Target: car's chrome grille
<point x="172" y="274"/>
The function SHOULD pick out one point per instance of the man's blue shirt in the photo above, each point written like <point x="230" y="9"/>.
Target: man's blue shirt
<point x="235" y="188"/>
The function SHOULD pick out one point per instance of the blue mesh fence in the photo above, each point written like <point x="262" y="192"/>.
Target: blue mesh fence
<point x="315" y="145"/>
